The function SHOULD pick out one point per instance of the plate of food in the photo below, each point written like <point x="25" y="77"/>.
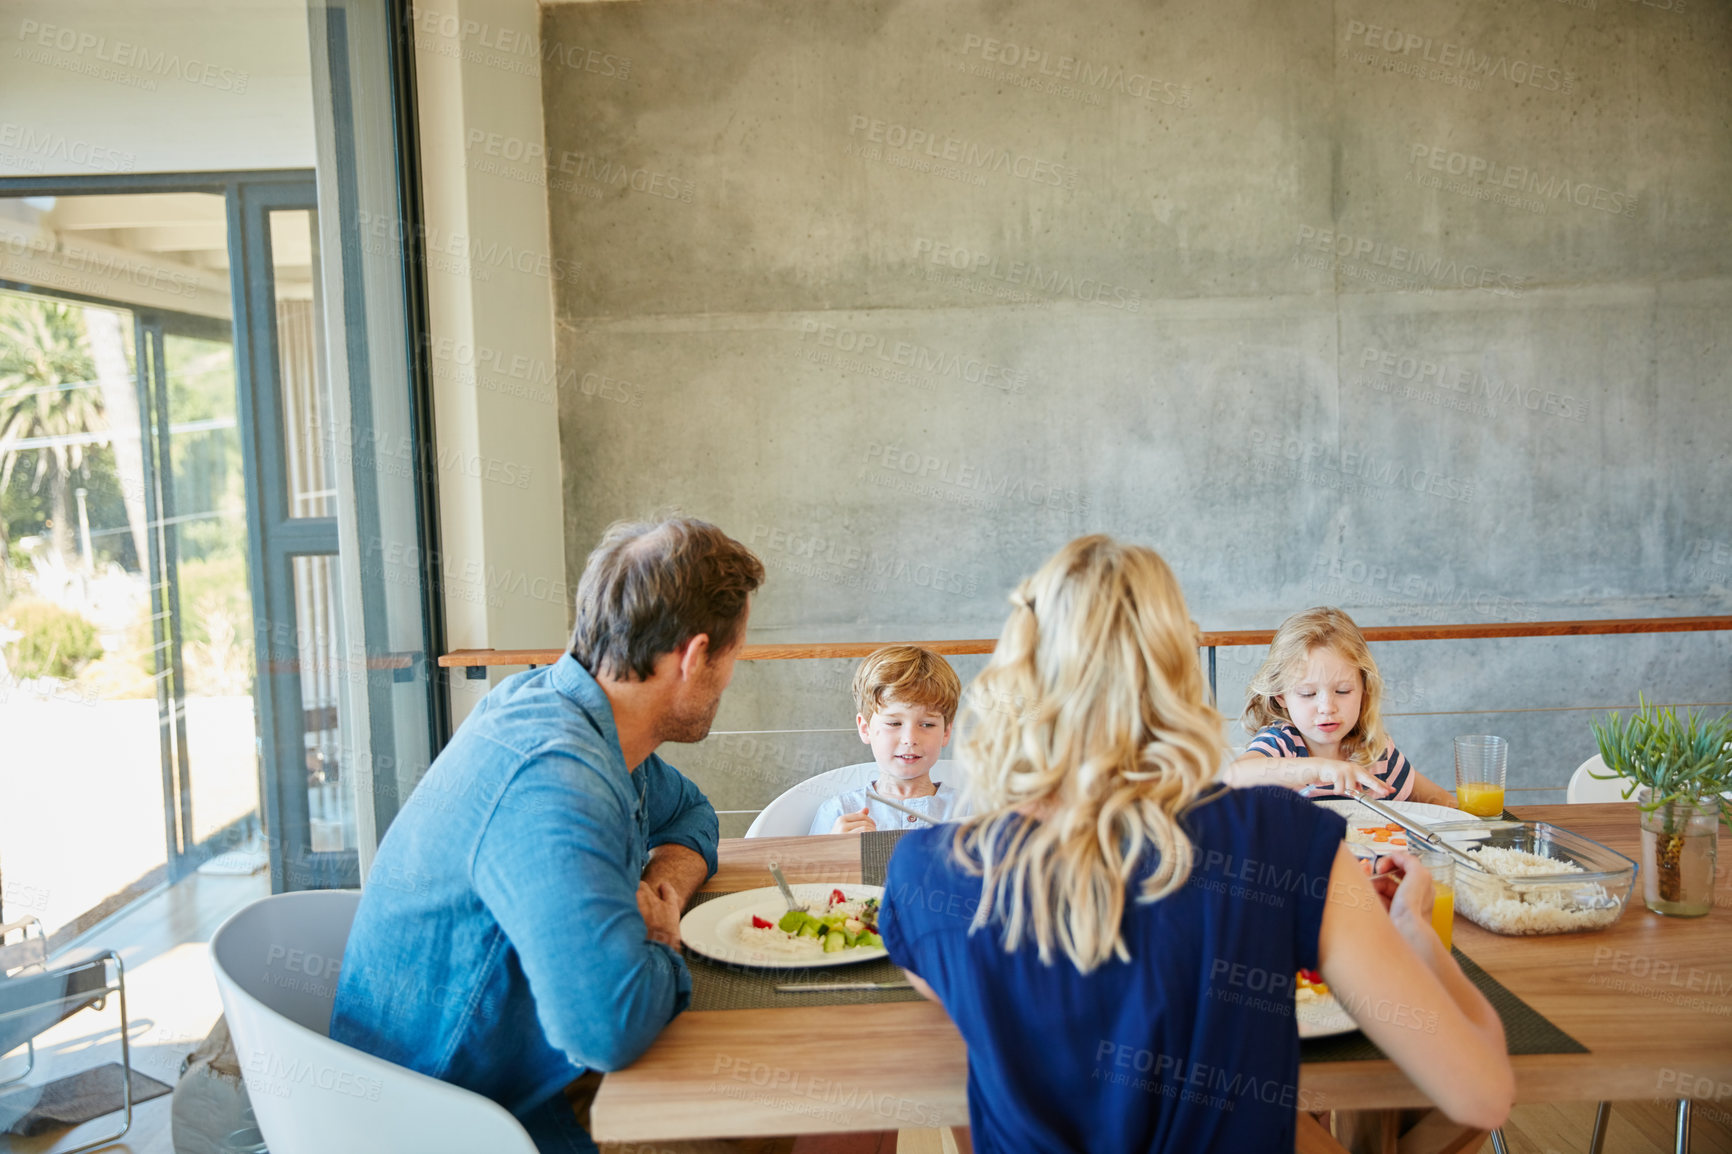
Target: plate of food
<point x="1369" y="834"/>
<point x="834" y="925"/>
<point x="1315" y="1009"/>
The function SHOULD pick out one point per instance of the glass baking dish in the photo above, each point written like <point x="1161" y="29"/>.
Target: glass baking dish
<point x="1547" y="901"/>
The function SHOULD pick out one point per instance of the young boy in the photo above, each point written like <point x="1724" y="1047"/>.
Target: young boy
<point x="907" y="698"/>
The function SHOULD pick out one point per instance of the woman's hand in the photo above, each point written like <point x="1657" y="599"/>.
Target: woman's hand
<point x="1404" y="886"/>
<point x="1342" y="775"/>
<point x="860" y="822"/>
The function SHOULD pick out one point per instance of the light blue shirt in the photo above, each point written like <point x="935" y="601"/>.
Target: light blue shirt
<point x="936" y="806"/>
<point x="498" y="944"/>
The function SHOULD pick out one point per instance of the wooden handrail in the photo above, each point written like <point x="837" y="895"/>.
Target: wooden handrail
<point x="483" y="658"/>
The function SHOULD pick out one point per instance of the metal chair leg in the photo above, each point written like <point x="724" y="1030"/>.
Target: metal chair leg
<point x="29" y="1062"/>
<point x="125" y="1070"/>
<point x="1497" y="1142"/>
<point x="1681" y="1144"/>
<point x="1602" y="1123"/>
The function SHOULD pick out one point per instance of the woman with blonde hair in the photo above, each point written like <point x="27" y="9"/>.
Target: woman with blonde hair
<point x="1115" y="934"/>
<point x="1315" y="708"/>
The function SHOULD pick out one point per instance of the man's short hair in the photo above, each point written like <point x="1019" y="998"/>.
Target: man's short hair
<point x="907" y="675"/>
<point x="652" y="586"/>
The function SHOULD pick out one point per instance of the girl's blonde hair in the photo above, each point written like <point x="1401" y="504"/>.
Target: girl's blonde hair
<point x="1091" y="716"/>
<point x="1324" y="627"/>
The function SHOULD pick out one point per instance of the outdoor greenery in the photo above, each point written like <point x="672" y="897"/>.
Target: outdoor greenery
<point x="1681" y="760"/>
<point x="46" y="390"/>
<point x="54" y="642"/>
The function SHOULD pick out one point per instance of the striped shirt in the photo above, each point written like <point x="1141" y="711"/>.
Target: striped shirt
<point x="1284" y="740"/>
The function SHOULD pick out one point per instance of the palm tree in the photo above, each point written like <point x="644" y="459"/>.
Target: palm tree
<point x="46" y="391"/>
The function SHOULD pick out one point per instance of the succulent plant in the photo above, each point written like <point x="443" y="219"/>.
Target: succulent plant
<point x="1686" y="760"/>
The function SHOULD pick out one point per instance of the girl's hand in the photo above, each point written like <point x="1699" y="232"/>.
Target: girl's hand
<point x="860" y="822"/>
<point x="1340" y="775"/>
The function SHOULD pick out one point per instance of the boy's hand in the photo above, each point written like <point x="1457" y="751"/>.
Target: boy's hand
<point x="860" y="822"/>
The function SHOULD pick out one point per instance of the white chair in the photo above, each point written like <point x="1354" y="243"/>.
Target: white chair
<point x="1584" y="787"/>
<point x="791" y="814"/>
<point x="276" y="965"/>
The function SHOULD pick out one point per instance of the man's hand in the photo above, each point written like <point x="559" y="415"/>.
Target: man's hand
<point x="854" y="823"/>
<point x="660" y="906"/>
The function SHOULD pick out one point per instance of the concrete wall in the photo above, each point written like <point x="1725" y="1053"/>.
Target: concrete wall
<point x="1419" y="311"/>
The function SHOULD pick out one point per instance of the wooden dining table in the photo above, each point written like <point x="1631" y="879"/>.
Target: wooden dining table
<point x="1650" y="997"/>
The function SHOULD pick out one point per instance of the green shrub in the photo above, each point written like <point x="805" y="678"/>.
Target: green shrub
<point x="56" y="643"/>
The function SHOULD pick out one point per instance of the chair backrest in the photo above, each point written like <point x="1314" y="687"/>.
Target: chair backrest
<point x="791" y="814"/>
<point x="1584" y="787"/>
<point x="276" y="964"/>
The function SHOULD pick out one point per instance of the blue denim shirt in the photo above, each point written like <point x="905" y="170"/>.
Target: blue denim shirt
<point x="498" y="944"/>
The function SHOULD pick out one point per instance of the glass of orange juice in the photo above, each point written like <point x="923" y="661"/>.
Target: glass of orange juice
<point x="1442" y="869"/>
<point x="1480" y="763"/>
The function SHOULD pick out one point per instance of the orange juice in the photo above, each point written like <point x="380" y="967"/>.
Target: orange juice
<point x="1443" y="913"/>
<point x="1480" y="798"/>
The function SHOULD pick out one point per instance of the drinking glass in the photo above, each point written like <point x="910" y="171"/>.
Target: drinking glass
<point x="1480" y="763"/>
<point x="1441" y="866"/>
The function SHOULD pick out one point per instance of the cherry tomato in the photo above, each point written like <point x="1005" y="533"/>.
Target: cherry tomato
<point x="760" y="924"/>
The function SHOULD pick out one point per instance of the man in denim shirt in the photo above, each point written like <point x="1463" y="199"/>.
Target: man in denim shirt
<point x="521" y="923"/>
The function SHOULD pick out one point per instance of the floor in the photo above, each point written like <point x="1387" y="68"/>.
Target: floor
<point x="172" y="1002"/>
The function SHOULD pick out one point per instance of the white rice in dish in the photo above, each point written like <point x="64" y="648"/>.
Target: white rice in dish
<point x="1544" y="909"/>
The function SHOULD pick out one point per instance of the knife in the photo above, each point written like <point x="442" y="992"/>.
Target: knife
<point x="882" y="800"/>
<point x="828" y="987"/>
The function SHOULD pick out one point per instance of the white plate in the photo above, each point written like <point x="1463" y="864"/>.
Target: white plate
<point x="1358" y="817"/>
<point x="713" y="929"/>
<point x="1322" y="1018"/>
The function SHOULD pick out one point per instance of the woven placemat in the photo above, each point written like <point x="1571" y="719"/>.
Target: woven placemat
<point x="875" y="850"/>
<point x="716" y="986"/>
<point x="1526" y="1030"/>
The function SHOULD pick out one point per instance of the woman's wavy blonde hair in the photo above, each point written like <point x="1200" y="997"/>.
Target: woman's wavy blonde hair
<point x="1324" y="627"/>
<point x="1091" y="716"/>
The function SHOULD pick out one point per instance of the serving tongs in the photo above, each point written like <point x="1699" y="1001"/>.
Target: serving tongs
<point x="1413" y="826"/>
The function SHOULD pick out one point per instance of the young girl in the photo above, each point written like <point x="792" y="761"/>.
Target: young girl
<point x="1314" y="707"/>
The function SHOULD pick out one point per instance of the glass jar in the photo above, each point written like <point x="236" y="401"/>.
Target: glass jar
<point x="1680" y="844"/>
